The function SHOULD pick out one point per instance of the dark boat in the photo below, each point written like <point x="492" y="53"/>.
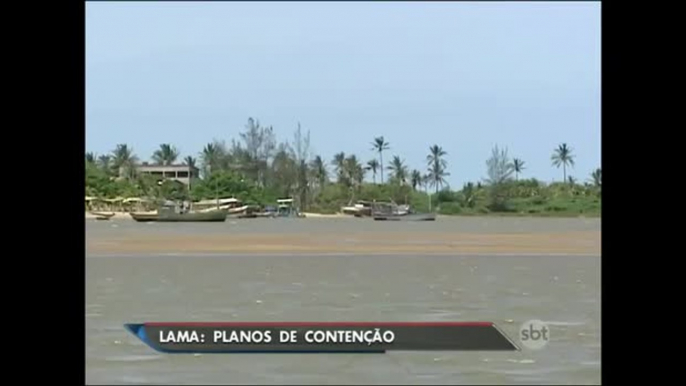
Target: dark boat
<point x="407" y="217"/>
<point x="144" y="217"/>
<point x="168" y="214"/>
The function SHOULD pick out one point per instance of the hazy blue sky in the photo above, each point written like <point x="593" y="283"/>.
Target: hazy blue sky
<point x="466" y="76"/>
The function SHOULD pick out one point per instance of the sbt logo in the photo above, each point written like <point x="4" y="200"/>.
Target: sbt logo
<point x="534" y="334"/>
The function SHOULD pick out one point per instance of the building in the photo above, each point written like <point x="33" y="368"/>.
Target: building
<point x="181" y="173"/>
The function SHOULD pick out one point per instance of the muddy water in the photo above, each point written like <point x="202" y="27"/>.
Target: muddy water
<point x="508" y="289"/>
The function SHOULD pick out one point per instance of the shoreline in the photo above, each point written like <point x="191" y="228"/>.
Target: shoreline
<point x="117" y="216"/>
<point x="126" y="216"/>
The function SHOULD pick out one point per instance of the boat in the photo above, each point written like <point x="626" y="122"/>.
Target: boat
<point x="251" y="211"/>
<point x="286" y="209"/>
<point x="407" y="217"/>
<point x="143" y="217"/>
<point x="360" y="209"/>
<point x="231" y="205"/>
<point x="177" y="214"/>
<point x="383" y="211"/>
<point x="102" y="215"/>
<point x="402" y="210"/>
<point x="167" y="216"/>
<point x="268" y="212"/>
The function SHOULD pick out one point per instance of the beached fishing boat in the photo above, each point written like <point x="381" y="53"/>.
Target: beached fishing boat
<point x="143" y="217"/>
<point x="407" y="217"/>
<point x="231" y="205"/>
<point x="383" y="211"/>
<point x="360" y="209"/>
<point x="102" y="215"/>
<point x="251" y="211"/>
<point x="175" y="214"/>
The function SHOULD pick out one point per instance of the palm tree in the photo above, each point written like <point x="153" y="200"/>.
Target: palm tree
<point x="339" y="165"/>
<point x="373" y="165"/>
<point x="596" y="177"/>
<point x="399" y="170"/>
<point x="571" y="180"/>
<point x="437" y="165"/>
<point x="426" y="180"/>
<point x="318" y="170"/>
<point x="165" y="155"/>
<point x="563" y="156"/>
<point x="189" y="161"/>
<point x="90" y="157"/>
<point x="416" y="179"/>
<point x="124" y="160"/>
<point x="468" y="195"/>
<point x="105" y="163"/>
<point x="379" y="145"/>
<point x="354" y="171"/>
<point x="518" y="167"/>
<point x="212" y="156"/>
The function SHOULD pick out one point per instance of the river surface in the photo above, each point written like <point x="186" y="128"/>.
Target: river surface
<point x="563" y="291"/>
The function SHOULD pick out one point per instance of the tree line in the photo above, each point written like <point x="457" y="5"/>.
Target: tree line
<point x="257" y="168"/>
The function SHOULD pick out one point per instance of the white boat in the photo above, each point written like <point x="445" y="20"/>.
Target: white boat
<point x="360" y="209"/>
<point x="231" y="205"/>
<point x="99" y="215"/>
<point x="402" y="210"/>
<point x="384" y="211"/>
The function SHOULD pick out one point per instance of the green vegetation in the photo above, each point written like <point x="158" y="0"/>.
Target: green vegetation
<point x="259" y="170"/>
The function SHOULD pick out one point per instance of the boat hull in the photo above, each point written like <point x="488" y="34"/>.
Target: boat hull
<point x="363" y="213"/>
<point x="144" y="217"/>
<point x="407" y="217"/>
<point x="215" y="216"/>
<point x="102" y="215"/>
<point x="357" y="212"/>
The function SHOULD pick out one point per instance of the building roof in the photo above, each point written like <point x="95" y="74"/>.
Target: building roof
<point x="175" y="167"/>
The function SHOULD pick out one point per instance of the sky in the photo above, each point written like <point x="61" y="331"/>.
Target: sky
<point x="465" y="76"/>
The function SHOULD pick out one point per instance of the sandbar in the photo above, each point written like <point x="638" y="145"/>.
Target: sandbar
<point x="450" y="243"/>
